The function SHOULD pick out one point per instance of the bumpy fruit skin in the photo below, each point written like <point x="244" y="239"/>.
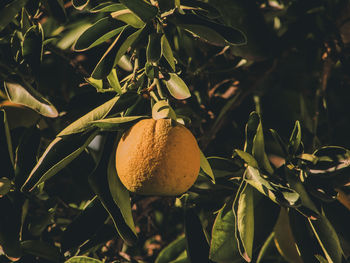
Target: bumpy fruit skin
<point x="158" y="157"/>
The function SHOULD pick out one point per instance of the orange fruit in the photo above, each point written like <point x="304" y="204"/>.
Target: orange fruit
<point x="158" y="157"/>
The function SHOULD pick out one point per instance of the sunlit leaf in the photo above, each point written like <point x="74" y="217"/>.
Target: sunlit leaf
<point x="107" y="7"/>
<point x="245" y="222"/>
<point x="172" y="251"/>
<point x="141" y="8"/>
<point x="118" y="104"/>
<point x="205" y="166"/>
<point x="82" y="259"/>
<point x="223" y="246"/>
<point x="177" y="87"/>
<point x="57" y="155"/>
<point x="80" y="4"/>
<point x="28" y="96"/>
<point x="98" y="33"/>
<point x="114" y="82"/>
<point x="162" y="110"/>
<point x="128" y="17"/>
<point x="119" y="193"/>
<point x="295" y="139"/>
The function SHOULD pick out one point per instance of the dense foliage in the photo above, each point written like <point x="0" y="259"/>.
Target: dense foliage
<point x="263" y="85"/>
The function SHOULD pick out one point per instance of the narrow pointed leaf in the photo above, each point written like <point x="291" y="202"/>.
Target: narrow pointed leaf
<point x="31" y="98"/>
<point x="8" y="12"/>
<point x="328" y="239"/>
<point x="172" y="251"/>
<point x="32" y="46"/>
<point x="114" y="53"/>
<point x="57" y="155"/>
<point x="141" y="8"/>
<point x="259" y="150"/>
<point x="167" y="52"/>
<point x="205" y="166"/>
<point x="116" y="104"/>
<point x="154" y="49"/>
<point x="6" y="150"/>
<point x="42" y="250"/>
<point x="80" y="4"/>
<point x="98" y="33"/>
<point x="108" y="7"/>
<point x="250" y="131"/>
<point x="119" y="193"/>
<point x="9" y="228"/>
<point x="84" y="226"/>
<point x="114" y="82"/>
<point x="295" y="139"/>
<point x="99" y="184"/>
<point x="197" y="245"/>
<point x="177" y="87"/>
<point x="117" y="123"/>
<point x="128" y="17"/>
<point x="245" y="222"/>
<point x="213" y="32"/>
<point x="162" y="110"/>
<point x="82" y="259"/>
<point x="223" y="246"/>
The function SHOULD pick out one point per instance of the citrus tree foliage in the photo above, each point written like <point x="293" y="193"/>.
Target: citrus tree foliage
<point x="263" y="85"/>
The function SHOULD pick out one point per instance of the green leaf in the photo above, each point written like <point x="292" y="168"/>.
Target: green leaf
<point x="114" y="82"/>
<point x="108" y="7"/>
<point x="114" y="53"/>
<point x="10" y="228"/>
<point x="245" y="222"/>
<point x="6" y="149"/>
<point x="172" y="251"/>
<point x="250" y="131"/>
<point x="141" y="8"/>
<point x="280" y="142"/>
<point x="327" y="238"/>
<point x="42" y="250"/>
<point x="98" y="181"/>
<point x="82" y="259"/>
<point x="119" y="193"/>
<point x="32" y="46"/>
<point x="295" y="139"/>
<point x="197" y="245"/>
<point x="259" y="150"/>
<point x="247" y="158"/>
<point x="161" y="110"/>
<point x="8" y="12"/>
<point x="96" y="83"/>
<point x="26" y="155"/>
<point x="128" y="17"/>
<point x="98" y="33"/>
<point x="31" y="98"/>
<point x="57" y="155"/>
<point x="154" y="48"/>
<point x="116" y="104"/>
<point x="5" y="186"/>
<point x="210" y="31"/>
<point x="223" y="246"/>
<point x="279" y="194"/>
<point x="167" y="52"/>
<point x="205" y="166"/>
<point x="117" y="123"/>
<point x="80" y="4"/>
<point x="177" y="87"/>
<point x="56" y="9"/>
<point x="85" y="225"/>
<point x="223" y="167"/>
